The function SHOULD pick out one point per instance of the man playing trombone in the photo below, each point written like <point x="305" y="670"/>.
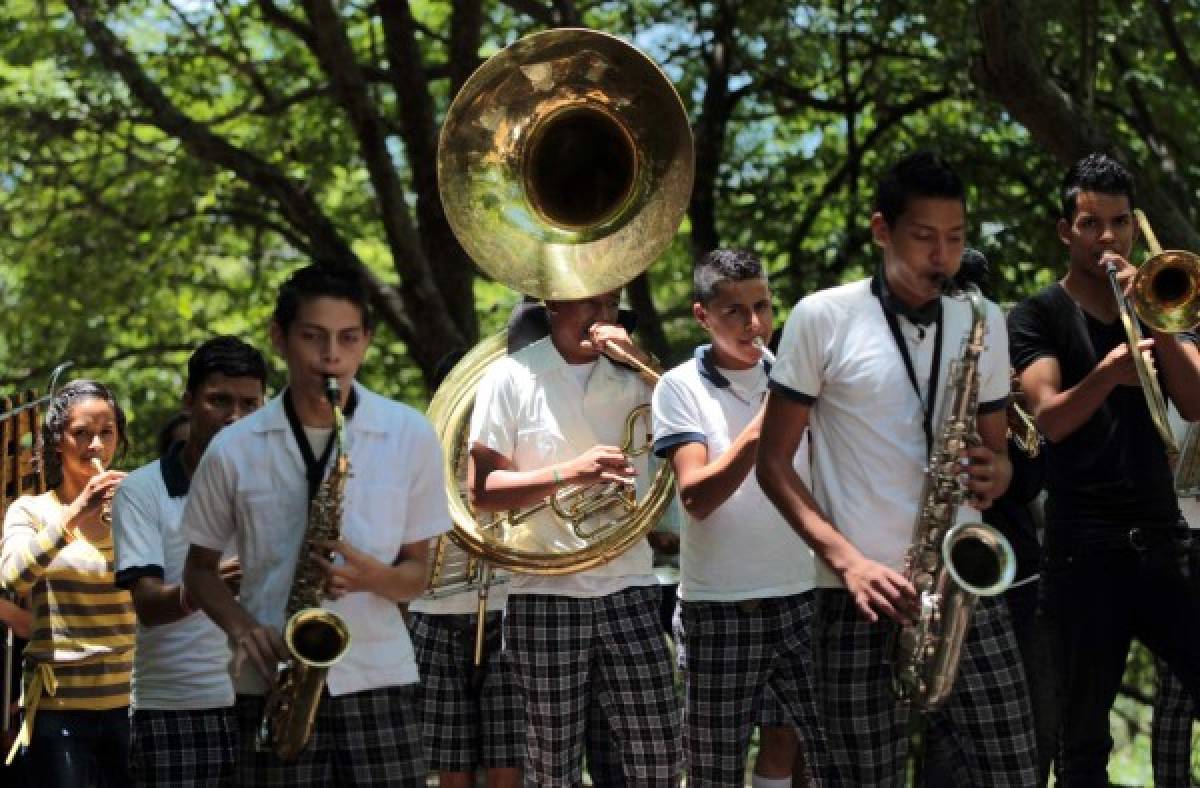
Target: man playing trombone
<point x="1116" y="546"/>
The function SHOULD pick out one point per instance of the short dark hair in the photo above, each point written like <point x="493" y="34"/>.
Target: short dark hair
<point x="166" y="433"/>
<point x="321" y="281"/>
<point x="723" y="265"/>
<point x="59" y="410"/>
<point x="228" y="356"/>
<point x="1096" y="172"/>
<point x="920" y="174"/>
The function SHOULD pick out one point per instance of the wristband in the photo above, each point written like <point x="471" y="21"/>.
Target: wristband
<point x="185" y="601"/>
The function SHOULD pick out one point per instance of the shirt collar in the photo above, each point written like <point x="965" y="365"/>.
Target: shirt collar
<point x="709" y="370"/>
<point x="368" y="414"/>
<point x="924" y="315"/>
<point x="174" y="475"/>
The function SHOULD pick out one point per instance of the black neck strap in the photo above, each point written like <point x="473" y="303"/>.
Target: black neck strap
<point x="934" y="365"/>
<point x="314" y="467"/>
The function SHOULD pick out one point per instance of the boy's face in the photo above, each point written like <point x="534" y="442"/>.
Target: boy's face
<point x="327" y="338"/>
<point x="218" y="402"/>
<point x="923" y="250"/>
<point x="1102" y="223"/>
<point x="570" y="322"/>
<point x="739" y="313"/>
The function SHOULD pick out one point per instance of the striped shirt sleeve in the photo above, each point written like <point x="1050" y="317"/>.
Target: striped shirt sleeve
<point x="28" y="547"/>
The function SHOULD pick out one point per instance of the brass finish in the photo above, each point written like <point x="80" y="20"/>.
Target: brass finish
<point x="106" y="508"/>
<point x="316" y="638"/>
<point x="565" y="164"/>
<point x="949" y="565"/>
<point x="1165" y="295"/>
<point x="1166" y="289"/>
<point x="593" y="524"/>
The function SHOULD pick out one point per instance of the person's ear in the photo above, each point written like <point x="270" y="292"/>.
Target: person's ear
<point x="278" y="338"/>
<point x="700" y="313"/>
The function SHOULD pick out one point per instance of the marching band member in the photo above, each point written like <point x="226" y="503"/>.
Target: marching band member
<point x="1116" y="547"/>
<point x="546" y="416"/>
<point x="863" y="363"/>
<point x="183" y="724"/>
<point x="746" y="591"/>
<point x="254" y="484"/>
<point x="57" y="550"/>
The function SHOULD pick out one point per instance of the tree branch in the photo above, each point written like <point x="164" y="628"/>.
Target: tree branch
<point x="296" y="203"/>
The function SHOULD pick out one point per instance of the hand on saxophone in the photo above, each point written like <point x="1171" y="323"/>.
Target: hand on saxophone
<point x="358" y="572"/>
<point x="879" y="591"/>
<point x="979" y="464"/>
<point x="259" y="645"/>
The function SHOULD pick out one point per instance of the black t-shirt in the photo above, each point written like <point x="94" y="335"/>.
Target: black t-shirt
<point x="1113" y="470"/>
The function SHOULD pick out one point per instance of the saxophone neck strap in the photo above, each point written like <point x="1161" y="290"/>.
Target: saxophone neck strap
<point x="314" y="466"/>
<point x="902" y="346"/>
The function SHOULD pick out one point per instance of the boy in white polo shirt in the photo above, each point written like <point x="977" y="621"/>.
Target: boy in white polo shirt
<point x="549" y="415"/>
<point x="865" y="364"/>
<point x="183" y="721"/>
<point x="254" y="485"/>
<point x="747" y="579"/>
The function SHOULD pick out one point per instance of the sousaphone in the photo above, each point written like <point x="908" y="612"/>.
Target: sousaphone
<point x="565" y="166"/>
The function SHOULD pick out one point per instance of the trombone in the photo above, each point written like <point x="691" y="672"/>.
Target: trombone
<point x="1165" y="296"/>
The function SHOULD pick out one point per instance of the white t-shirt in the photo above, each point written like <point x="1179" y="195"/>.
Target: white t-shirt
<point x="183" y="665"/>
<point x="869" y="449"/>
<point x="251" y="486"/>
<point x="531" y="408"/>
<point x="744" y="549"/>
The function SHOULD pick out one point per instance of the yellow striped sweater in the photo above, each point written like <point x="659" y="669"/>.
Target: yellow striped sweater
<point x="83" y="625"/>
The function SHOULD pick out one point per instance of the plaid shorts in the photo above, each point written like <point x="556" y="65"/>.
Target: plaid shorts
<point x="187" y="748"/>
<point x="611" y="649"/>
<point x="462" y="727"/>
<point x="736" y="658"/>
<point x="1171" y="737"/>
<point x="987" y="721"/>
<point x="362" y="738"/>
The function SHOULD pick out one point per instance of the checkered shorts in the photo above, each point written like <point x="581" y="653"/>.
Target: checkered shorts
<point x="363" y="738"/>
<point x="463" y="728"/>
<point x="190" y="749"/>
<point x="737" y="657"/>
<point x="611" y="649"/>
<point x="1171" y="738"/>
<point x="987" y="719"/>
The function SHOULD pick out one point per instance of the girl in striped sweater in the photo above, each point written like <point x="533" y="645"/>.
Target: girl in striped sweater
<point x="57" y="551"/>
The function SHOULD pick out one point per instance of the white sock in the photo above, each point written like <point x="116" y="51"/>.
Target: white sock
<point x="771" y="782"/>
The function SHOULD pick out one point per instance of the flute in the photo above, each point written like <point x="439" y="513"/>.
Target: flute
<point x="106" y="510"/>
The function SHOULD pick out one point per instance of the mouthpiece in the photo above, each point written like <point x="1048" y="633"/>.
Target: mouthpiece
<point x="99" y="466"/>
<point x="333" y="391"/>
<point x="766" y="351"/>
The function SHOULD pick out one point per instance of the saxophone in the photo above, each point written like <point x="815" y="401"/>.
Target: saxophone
<point x="316" y="638"/>
<point x="950" y="565"/>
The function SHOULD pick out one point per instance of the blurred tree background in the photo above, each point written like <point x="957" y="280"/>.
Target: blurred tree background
<point x="166" y="163"/>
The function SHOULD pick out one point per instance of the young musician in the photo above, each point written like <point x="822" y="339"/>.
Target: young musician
<point x="746" y="588"/>
<point x="183" y="724"/>
<point x="551" y="415"/>
<point x="58" y="551"/>
<point x="254" y="484"/>
<point x="865" y="364"/>
<point x="1116" y="546"/>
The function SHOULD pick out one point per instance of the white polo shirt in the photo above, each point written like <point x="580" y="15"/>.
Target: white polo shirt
<point x="182" y="665"/>
<point x="869" y="451"/>
<point x="743" y="549"/>
<point x="534" y="408"/>
<point x="251" y="487"/>
<point x="1189" y="507"/>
